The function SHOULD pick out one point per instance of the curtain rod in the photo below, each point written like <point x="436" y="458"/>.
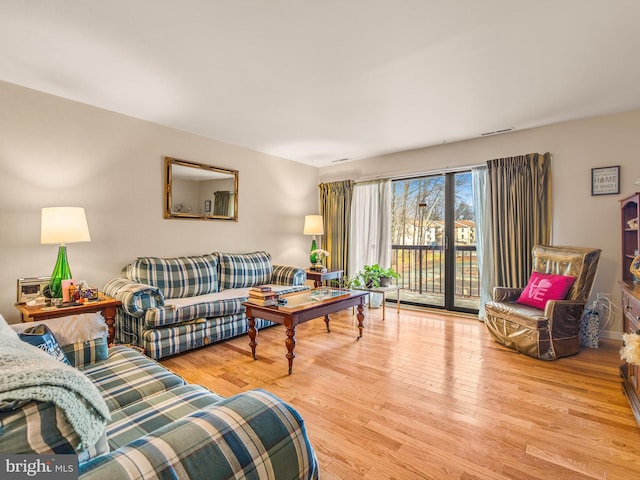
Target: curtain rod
<point x="419" y="174"/>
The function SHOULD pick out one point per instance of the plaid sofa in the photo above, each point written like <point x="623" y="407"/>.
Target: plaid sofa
<point x="171" y="305"/>
<point x="162" y="427"/>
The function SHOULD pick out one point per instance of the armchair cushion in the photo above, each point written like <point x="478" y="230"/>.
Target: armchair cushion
<point x="543" y="287"/>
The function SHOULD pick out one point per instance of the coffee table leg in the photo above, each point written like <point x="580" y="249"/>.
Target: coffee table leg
<point x="384" y="304"/>
<point x="360" y="319"/>
<point x="252" y="336"/>
<point x="290" y="342"/>
<point x="327" y="320"/>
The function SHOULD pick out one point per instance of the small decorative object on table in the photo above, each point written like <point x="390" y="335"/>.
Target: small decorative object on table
<point x="89" y="294"/>
<point x="635" y="269"/>
<point x="320" y="255"/>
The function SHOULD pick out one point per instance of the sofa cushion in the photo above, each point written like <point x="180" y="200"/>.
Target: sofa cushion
<point x="87" y="352"/>
<point x="154" y="411"/>
<point x="127" y="376"/>
<point x="225" y="302"/>
<point x="83" y="337"/>
<point x="239" y="270"/>
<point x="163" y="342"/>
<point x="176" y="277"/>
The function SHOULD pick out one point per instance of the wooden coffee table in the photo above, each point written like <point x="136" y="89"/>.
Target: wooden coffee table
<point x="301" y="307"/>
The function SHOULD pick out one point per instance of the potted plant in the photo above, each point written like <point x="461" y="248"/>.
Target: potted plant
<point x="386" y="275"/>
<point x="374" y="276"/>
<point x="343" y="282"/>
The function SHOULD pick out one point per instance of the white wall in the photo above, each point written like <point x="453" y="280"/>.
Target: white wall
<point x="576" y="147"/>
<point x="55" y="152"/>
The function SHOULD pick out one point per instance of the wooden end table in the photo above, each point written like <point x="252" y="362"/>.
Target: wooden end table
<point x="105" y="305"/>
<point x="302" y="307"/>
<point x="319" y="277"/>
<point x="383" y="291"/>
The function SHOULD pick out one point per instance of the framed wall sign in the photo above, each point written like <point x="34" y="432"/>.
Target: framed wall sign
<point x="605" y="180"/>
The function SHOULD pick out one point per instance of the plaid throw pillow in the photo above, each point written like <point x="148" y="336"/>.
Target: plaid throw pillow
<point x="177" y="277"/>
<point x="238" y="270"/>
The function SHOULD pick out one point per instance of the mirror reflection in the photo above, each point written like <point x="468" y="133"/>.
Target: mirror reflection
<point x="201" y="191"/>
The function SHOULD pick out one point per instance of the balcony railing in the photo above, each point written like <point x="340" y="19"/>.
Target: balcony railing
<point x="421" y="269"/>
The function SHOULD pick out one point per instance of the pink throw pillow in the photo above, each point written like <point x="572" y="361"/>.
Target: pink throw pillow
<point x="543" y="287"/>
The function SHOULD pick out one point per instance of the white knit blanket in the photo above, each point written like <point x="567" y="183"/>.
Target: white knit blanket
<point x="28" y="373"/>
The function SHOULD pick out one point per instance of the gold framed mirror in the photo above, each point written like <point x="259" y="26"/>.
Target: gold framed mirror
<point x="199" y="191"/>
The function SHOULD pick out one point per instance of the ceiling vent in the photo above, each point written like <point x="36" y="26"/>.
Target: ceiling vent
<point x="339" y="160"/>
<point x="498" y="132"/>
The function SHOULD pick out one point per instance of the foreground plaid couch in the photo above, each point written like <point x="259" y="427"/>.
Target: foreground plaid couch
<point x="162" y="427"/>
<point x="171" y="305"/>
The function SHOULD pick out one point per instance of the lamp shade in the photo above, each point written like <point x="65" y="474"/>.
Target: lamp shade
<point x="63" y="225"/>
<point x="313" y="225"/>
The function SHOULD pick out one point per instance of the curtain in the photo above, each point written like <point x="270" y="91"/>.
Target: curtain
<point x="370" y="225"/>
<point x="221" y="202"/>
<point x="520" y="212"/>
<point x="484" y="248"/>
<point x="335" y="208"/>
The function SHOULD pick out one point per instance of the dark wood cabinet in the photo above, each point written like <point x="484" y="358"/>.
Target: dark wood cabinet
<point x="630" y="238"/>
<point x="631" y="323"/>
<point x="629" y="208"/>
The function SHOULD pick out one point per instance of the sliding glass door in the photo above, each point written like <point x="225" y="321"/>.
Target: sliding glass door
<point x="433" y="241"/>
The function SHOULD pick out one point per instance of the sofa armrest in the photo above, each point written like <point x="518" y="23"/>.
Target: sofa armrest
<point x="504" y="294"/>
<point x="42" y="428"/>
<point x="253" y="434"/>
<point x="288" y="275"/>
<point x="136" y="297"/>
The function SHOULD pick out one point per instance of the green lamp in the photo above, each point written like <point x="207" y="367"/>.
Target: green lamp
<point x="62" y="225"/>
<point x="313" y="226"/>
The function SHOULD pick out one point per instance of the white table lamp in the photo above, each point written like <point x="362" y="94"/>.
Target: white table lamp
<point x="62" y="225"/>
<point x="313" y="226"/>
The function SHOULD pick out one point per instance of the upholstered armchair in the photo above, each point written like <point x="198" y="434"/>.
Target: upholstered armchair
<point x="550" y="329"/>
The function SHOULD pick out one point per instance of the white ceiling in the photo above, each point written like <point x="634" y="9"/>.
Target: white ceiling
<point x="321" y="80"/>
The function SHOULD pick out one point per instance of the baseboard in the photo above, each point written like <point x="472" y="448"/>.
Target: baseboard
<point x="610" y="334"/>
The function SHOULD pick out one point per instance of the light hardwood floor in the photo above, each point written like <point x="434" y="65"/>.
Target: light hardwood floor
<point x="428" y="395"/>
